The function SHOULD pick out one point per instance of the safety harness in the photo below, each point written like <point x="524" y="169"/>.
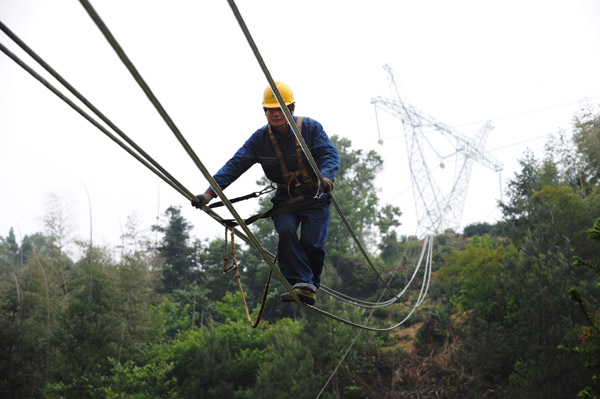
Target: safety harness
<point x="298" y="181"/>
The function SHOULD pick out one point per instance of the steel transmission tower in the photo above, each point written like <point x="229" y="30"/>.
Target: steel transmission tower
<point x="436" y="212"/>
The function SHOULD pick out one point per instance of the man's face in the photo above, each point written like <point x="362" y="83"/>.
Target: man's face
<point x="276" y="117"/>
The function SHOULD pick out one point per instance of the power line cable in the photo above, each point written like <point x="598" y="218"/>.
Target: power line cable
<point x="523" y="113"/>
<point x="521" y="142"/>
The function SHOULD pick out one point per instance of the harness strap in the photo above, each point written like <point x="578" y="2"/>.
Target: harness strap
<point x="245" y="197"/>
<point x="291" y="205"/>
<point x="305" y="175"/>
<point x="287" y="175"/>
<point x="279" y="153"/>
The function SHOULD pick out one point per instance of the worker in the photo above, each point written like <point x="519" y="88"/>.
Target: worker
<point x="274" y="146"/>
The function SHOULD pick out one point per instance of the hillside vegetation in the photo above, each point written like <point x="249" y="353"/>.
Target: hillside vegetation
<point x="512" y="310"/>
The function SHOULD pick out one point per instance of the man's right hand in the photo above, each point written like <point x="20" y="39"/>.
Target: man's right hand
<point x="327" y="187"/>
<point x="201" y="200"/>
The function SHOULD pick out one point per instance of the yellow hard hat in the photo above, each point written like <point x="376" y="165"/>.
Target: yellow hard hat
<point x="269" y="99"/>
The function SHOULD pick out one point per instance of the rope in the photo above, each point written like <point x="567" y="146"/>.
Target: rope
<point x="354" y="237"/>
<point x="238" y="277"/>
<point x="226" y="268"/>
<point x="263" y="302"/>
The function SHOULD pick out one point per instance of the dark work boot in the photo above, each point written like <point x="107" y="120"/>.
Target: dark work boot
<point x="304" y="294"/>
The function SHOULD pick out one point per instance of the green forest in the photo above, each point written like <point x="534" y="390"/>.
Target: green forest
<point x="512" y="310"/>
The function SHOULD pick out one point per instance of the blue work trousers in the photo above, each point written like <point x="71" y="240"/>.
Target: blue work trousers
<point x="301" y="257"/>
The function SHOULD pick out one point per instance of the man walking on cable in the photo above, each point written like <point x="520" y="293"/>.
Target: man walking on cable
<point x="274" y="146"/>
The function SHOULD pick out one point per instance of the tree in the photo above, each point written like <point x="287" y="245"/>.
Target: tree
<point x="519" y="306"/>
<point x="477" y="229"/>
<point x="12" y="367"/>
<point x="181" y="266"/>
<point x="589" y="345"/>
<point x="148" y="381"/>
<point x="137" y="278"/>
<point x="586" y="137"/>
<point x="219" y="361"/>
<point x="389" y="245"/>
<point x="356" y="195"/>
<point x="288" y="368"/>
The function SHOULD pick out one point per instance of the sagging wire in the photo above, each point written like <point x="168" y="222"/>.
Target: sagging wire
<point x="379" y="304"/>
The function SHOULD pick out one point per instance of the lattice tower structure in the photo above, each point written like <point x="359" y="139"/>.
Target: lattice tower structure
<point x="436" y="211"/>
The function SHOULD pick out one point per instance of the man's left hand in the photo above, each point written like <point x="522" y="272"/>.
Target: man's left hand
<point x="200" y="200"/>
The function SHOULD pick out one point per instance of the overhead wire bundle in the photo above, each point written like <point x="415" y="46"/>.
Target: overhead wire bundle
<point x="425" y="259"/>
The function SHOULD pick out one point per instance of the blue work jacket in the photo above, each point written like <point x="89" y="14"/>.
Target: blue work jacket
<point x="259" y="149"/>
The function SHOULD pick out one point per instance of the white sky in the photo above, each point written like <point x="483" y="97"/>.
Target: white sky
<point x="525" y="65"/>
